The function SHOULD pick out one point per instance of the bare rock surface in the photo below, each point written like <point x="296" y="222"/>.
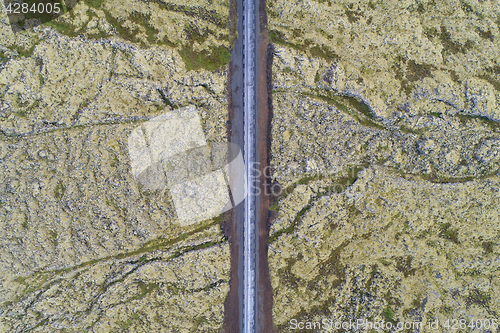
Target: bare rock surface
<point x="407" y="91"/>
<point x="82" y="246"/>
<point x="388" y="249"/>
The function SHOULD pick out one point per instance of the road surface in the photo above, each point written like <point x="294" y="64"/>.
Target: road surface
<point x="249" y="111"/>
<point x="248" y="305"/>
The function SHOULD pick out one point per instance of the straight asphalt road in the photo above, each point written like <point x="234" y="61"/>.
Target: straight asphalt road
<point x="250" y="146"/>
<point x="241" y="305"/>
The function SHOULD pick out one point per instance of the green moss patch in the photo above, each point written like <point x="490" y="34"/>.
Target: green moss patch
<point x="338" y="187"/>
<point x="408" y="71"/>
<point x="306" y="46"/>
<point x="209" y="60"/>
<point x="449" y="233"/>
<point x="452" y="46"/>
<point x="350" y="105"/>
<point x="488" y="247"/>
<point x="353" y="15"/>
<point x="479" y="298"/>
<point x="94" y="3"/>
<point x="23" y="52"/>
<point x="465" y="119"/>
<point x="408" y="130"/>
<point x="212" y="58"/>
<point x="388" y="315"/>
<point x="404" y="265"/>
<point x="59" y="190"/>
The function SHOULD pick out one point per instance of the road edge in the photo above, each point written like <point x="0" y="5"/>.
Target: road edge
<point x="264" y="291"/>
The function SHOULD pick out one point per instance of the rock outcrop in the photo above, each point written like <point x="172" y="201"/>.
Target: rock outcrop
<point x="82" y="247"/>
<point x="407" y="91"/>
